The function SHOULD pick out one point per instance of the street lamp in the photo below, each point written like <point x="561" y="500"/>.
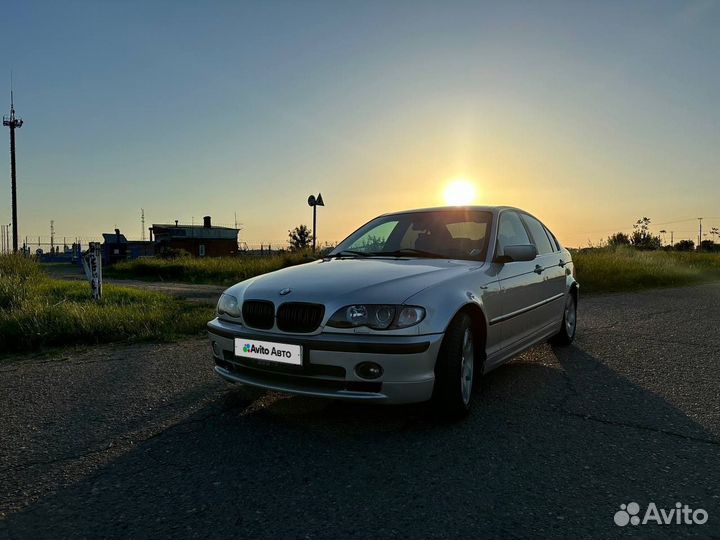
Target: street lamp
<point x="315" y="202"/>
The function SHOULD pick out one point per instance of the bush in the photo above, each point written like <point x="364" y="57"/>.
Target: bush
<point x="709" y="245"/>
<point x="685" y="245"/>
<point x="618" y="239"/>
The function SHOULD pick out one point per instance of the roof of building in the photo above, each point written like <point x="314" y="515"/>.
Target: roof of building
<point x="111" y="238"/>
<point x="181" y="226"/>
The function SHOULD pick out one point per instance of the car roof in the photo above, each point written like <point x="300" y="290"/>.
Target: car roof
<point x="492" y="209"/>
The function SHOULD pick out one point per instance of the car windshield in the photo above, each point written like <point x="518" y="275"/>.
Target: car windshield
<point x="447" y="234"/>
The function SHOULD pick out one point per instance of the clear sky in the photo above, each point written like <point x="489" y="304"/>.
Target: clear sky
<point x="588" y="114"/>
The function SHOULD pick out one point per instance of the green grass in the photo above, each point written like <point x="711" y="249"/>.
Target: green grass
<point x="624" y="269"/>
<point x="38" y="311"/>
<point x="215" y="270"/>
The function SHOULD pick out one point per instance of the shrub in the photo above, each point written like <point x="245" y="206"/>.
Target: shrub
<point x="618" y="239"/>
<point x="685" y="245"/>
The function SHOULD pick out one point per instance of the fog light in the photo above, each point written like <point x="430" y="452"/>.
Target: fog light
<point x="368" y="370"/>
<point x="215" y="348"/>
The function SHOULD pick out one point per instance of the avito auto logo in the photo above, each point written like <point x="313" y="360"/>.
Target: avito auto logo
<point x="259" y="349"/>
<point x="680" y="515"/>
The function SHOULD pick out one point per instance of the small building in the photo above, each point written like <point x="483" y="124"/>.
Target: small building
<point x="114" y="247"/>
<point x="140" y="248"/>
<point x="198" y="240"/>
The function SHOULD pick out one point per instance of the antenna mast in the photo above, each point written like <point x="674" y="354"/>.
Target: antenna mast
<point x="13" y="123"/>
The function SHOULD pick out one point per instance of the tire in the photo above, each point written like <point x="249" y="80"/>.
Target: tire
<point x="455" y="369"/>
<point x="566" y="335"/>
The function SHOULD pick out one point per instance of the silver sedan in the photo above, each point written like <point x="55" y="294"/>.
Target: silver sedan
<point x="412" y="306"/>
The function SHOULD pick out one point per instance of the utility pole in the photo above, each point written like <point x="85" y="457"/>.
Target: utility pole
<point x="13" y="123"/>
<point x="700" y="235"/>
<point x="142" y="223"/>
<point x="52" y="236"/>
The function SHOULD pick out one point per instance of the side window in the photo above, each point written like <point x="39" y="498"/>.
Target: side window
<point x="540" y="237"/>
<point x="376" y="238"/>
<point x="511" y="231"/>
<point x="553" y="239"/>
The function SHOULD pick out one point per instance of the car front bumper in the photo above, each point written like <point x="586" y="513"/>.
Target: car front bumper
<point x="328" y="369"/>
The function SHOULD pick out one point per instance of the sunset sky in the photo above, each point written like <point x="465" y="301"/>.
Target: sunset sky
<point x="589" y="115"/>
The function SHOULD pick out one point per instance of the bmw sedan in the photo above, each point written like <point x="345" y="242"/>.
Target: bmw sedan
<point x="413" y="306"/>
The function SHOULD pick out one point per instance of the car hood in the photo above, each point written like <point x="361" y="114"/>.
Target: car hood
<point x="352" y="280"/>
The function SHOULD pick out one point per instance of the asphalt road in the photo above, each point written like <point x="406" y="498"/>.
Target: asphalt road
<point x="145" y="442"/>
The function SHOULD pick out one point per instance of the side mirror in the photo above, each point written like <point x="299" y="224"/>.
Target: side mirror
<point x="517" y="253"/>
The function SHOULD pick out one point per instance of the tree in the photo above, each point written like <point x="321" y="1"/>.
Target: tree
<point x="373" y="243"/>
<point x="641" y="236"/>
<point x="685" y="245"/>
<point x="709" y="245"/>
<point x="618" y="239"/>
<point x="300" y="238"/>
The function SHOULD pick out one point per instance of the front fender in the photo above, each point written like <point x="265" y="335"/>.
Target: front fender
<point x="441" y="306"/>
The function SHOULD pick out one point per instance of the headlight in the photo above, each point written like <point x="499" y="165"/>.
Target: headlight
<point x="229" y="305"/>
<point x="377" y="316"/>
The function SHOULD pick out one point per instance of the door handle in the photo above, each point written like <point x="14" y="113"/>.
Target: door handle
<point x="538" y="269"/>
<point x="562" y="263"/>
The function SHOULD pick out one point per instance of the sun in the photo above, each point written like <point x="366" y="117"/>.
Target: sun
<point x="460" y="192"/>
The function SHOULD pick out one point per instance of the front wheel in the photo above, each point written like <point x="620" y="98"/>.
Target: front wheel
<point x="455" y="369"/>
<point x="566" y="335"/>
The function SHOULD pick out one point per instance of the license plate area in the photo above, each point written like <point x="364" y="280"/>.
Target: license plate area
<point x="269" y="352"/>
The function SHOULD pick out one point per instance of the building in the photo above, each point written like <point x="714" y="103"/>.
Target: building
<point x="114" y="247"/>
<point x="140" y="248"/>
<point x="198" y="240"/>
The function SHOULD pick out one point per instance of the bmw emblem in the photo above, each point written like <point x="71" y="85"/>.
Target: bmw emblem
<point x="286" y="290"/>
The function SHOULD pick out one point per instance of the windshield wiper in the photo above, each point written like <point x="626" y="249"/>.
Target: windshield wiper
<point x="409" y="252"/>
<point x="352" y="252"/>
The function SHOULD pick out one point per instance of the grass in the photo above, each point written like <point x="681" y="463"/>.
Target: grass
<point x="625" y="269"/>
<point x="215" y="270"/>
<point x="38" y="311"/>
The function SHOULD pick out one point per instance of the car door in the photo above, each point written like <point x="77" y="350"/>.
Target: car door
<point x="520" y="286"/>
<point x="551" y="269"/>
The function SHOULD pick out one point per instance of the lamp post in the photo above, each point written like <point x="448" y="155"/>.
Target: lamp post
<point x="315" y="202"/>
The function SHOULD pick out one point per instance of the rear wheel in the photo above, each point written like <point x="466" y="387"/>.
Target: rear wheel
<point x="566" y="335"/>
<point x="455" y="369"/>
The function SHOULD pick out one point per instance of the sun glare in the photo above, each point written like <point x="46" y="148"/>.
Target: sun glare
<point x="460" y="192"/>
